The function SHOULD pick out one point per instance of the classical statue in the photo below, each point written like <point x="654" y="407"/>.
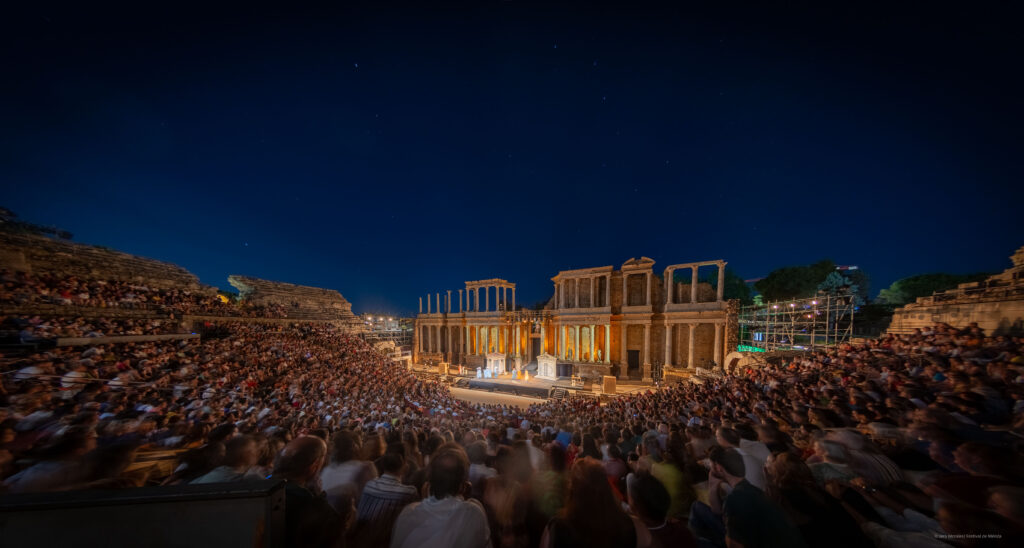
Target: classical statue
<point x="598" y="354"/>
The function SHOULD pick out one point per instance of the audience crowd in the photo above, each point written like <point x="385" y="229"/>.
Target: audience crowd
<point x="901" y="441"/>
<point x="20" y="288"/>
<point x="36" y="328"/>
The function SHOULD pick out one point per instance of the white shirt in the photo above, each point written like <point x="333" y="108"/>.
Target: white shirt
<point x="449" y="522"/>
<point x="754" y="469"/>
<point x="344" y="482"/>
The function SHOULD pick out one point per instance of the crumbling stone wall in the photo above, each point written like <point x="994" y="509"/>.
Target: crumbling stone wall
<point x="37" y="254"/>
<point x="299" y="301"/>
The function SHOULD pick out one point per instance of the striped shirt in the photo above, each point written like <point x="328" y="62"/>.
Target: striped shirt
<point x="383" y="498"/>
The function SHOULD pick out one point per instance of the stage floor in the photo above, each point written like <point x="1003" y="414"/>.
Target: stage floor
<point x="534" y="387"/>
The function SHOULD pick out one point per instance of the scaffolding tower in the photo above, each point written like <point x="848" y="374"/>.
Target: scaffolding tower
<point x="823" y="320"/>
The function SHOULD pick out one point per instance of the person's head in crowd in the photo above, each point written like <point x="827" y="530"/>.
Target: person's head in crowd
<point x="301" y="460"/>
<point x="592" y="512"/>
<point x="726" y="464"/>
<point x="74" y="442"/>
<point x="221" y="433"/>
<point x="448" y="473"/>
<point x="648" y="499"/>
<point x="104" y="467"/>
<point x="392" y="463"/>
<point x="727" y="437"/>
<point x="344" y="446"/>
<point x="241" y="453"/>
<point x="477" y="452"/>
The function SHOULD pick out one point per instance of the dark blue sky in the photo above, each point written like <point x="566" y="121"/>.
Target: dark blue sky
<point x="389" y="151"/>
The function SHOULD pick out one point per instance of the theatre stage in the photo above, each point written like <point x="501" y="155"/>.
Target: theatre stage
<point x="535" y="387"/>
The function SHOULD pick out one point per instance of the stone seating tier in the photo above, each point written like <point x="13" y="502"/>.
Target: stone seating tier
<point x="38" y="254"/>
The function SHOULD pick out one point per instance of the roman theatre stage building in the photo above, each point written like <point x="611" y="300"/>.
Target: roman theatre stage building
<point x="600" y="321"/>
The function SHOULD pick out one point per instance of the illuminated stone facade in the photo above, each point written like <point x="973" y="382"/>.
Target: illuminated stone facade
<point x="600" y="321"/>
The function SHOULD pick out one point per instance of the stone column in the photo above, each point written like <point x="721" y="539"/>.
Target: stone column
<point x="647" y="345"/>
<point x="718" y="344"/>
<point x="515" y="345"/>
<point x="607" y="343"/>
<point x="693" y="286"/>
<point x="576" y="294"/>
<point x="561" y="341"/>
<point x="648" y="290"/>
<point x="465" y="350"/>
<point x="592" y="301"/>
<point x="668" y="344"/>
<point x="449" y="303"/>
<point x="593" y="336"/>
<point x="428" y="303"/>
<point x="721" y="281"/>
<point x="624" y="358"/>
<point x="438" y="295"/>
<point x="421" y="305"/>
<point x="689" y="358"/>
<point x="543" y="339"/>
<point x="513" y="298"/>
<point x="487" y="298"/>
<point x="669" y="274"/>
<point x="576" y="338"/>
<point x="558" y="296"/>
<point x="625" y="289"/>
<point x="461" y="309"/>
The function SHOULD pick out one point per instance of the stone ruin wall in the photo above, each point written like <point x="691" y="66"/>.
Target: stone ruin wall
<point x="39" y="254"/>
<point x="299" y="301"/>
<point x="996" y="304"/>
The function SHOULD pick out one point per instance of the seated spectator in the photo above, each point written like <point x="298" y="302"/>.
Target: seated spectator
<point x="343" y="479"/>
<point x="382" y="500"/>
<point x="239" y="456"/>
<point x="478" y="470"/>
<point x="745" y="516"/>
<point x="650" y="501"/>
<point x="60" y="465"/>
<point x="820" y="517"/>
<point x="593" y="516"/>
<point x="309" y="520"/>
<point x="445" y="518"/>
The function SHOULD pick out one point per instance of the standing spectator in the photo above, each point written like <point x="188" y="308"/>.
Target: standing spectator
<point x="444" y="519"/>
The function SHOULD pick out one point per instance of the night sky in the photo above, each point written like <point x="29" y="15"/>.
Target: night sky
<point x="389" y="151"/>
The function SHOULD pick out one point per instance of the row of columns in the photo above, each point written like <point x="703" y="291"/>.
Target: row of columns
<point x="472" y="300"/>
<point x="669" y="285"/>
<point x="719" y="328"/>
<point x="510" y="335"/>
<point x="561" y="343"/>
<point x="562" y="302"/>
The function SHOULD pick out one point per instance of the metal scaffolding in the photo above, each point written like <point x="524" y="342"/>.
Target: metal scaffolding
<point x="823" y="320"/>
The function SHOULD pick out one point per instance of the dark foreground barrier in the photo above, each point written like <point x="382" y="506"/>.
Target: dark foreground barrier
<point x="249" y="514"/>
